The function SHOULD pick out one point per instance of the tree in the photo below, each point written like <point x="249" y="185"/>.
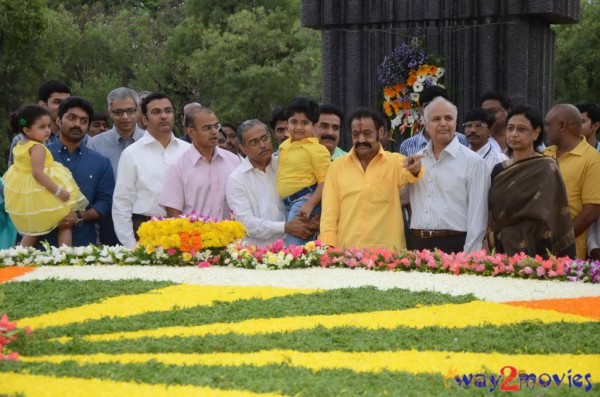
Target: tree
<point x="577" y="70"/>
<point x="255" y="60"/>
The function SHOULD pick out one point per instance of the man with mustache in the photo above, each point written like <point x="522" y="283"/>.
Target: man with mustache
<point x="361" y="205"/>
<point x="91" y="170"/>
<point x="196" y="182"/>
<point x="143" y="169"/>
<point x="252" y="191"/>
<point x="328" y="129"/>
<point x="449" y="205"/>
<point x="478" y="130"/>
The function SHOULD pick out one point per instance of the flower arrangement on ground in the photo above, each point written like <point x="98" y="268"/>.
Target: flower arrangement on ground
<point x="9" y="333"/>
<point x="403" y="74"/>
<point x="190" y="238"/>
<point x="313" y="254"/>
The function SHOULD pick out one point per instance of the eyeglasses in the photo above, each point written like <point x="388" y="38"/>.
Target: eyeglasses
<point x="210" y="127"/>
<point x="263" y="139"/>
<point x="158" y="112"/>
<point x="120" y="112"/>
<point x="474" y="125"/>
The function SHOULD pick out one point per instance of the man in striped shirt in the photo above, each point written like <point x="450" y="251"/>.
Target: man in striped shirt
<point x="449" y="204"/>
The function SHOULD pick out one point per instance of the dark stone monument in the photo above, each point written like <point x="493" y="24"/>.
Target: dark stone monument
<point x="504" y="45"/>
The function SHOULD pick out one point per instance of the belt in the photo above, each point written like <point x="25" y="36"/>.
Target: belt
<point x="299" y="194"/>
<point x="139" y="217"/>
<point x="436" y="233"/>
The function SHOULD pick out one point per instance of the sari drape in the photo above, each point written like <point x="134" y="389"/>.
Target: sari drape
<point x="530" y="211"/>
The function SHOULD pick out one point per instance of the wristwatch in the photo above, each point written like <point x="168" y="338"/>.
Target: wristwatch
<point x="79" y="220"/>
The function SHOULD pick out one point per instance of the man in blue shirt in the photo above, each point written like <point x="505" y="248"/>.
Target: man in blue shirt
<point x="91" y="170"/>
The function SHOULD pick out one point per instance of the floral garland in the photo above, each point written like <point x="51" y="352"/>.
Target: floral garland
<point x="403" y="75"/>
<point x="313" y="254"/>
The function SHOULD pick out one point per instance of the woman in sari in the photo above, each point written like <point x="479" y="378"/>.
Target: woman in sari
<point x="529" y="211"/>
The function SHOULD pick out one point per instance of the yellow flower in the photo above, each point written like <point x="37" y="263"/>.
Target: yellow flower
<point x="186" y="256"/>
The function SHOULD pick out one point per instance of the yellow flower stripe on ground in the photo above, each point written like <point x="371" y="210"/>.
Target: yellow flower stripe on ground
<point x="474" y="313"/>
<point x="411" y="361"/>
<point x="49" y="386"/>
<point x="163" y="299"/>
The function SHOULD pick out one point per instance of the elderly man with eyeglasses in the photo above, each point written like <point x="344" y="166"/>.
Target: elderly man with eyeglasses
<point x="123" y="105"/>
<point x="143" y="169"/>
<point x="196" y="182"/>
<point x="252" y="190"/>
<point x="478" y="130"/>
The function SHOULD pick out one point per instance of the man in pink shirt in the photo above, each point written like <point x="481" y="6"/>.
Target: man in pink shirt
<point x="196" y="182"/>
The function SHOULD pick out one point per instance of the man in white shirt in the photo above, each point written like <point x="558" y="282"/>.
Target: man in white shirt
<point x="252" y="192"/>
<point x="500" y="105"/>
<point x="143" y="168"/>
<point x="449" y="204"/>
<point x="478" y="130"/>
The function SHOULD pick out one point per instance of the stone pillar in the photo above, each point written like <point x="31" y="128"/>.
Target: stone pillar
<point x="504" y="45"/>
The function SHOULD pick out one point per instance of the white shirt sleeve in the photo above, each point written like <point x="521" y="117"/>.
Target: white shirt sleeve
<point x="239" y="202"/>
<point x="123" y="199"/>
<point x="477" y="213"/>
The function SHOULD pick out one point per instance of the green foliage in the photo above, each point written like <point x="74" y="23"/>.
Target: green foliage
<point x="577" y="74"/>
<point x="242" y="58"/>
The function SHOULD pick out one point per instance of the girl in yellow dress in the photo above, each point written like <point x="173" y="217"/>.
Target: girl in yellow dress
<point x="38" y="191"/>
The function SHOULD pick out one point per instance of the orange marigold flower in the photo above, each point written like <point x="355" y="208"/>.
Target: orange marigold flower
<point x="400" y="87"/>
<point x="388" y="109"/>
<point x="412" y="78"/>
<point x="390" y="92"/>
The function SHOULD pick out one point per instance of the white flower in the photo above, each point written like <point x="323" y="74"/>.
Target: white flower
<point x="414" y="96"/>
<point x="420" y="79"/>
<point x="90" y="258"/>
<point x="9" y="262"/>
<point x="396" y="121"/>
<point x="439" y="73"/>
<point x="418" y="87"/>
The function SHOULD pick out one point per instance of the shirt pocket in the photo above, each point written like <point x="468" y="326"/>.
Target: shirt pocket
<point x="383" y="190"/>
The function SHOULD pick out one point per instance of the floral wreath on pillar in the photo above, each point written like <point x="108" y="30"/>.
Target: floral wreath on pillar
<point x="403" y="74"/>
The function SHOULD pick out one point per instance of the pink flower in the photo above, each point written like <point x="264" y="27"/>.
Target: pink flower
<point x="203" y="264"/>
<point x="541" y="271"/>
<point x="527" y="270"/>
<point x="277" y="245"/>
<point x="171" y="251"/>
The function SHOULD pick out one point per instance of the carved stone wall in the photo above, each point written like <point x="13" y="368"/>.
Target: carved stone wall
<point x="505" y="45"/>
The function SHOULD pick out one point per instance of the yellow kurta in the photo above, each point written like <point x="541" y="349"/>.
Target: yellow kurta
<point x="361" y="209"/>
<point x="580" y="169"/>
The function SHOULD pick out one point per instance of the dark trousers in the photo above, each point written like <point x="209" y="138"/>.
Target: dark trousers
<point x="447" y="244"/>
<point x="137" y="222"/>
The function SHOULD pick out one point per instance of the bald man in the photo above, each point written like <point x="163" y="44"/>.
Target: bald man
<point x="580" y="168"/>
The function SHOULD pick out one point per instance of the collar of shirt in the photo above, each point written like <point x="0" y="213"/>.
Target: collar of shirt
<point x="578" y="150"/>
<point x="194" y="155"/>
<point x="114" y="134"/>
<point x="452" y="148"/>
<point x="484" y="150"/>
<point x="60" y="148"/>
<point x="288" y="142"/>
<point x="147" y="138"/>
<point x="246" y="165"/>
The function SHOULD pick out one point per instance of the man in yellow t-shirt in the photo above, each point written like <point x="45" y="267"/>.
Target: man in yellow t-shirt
<point x="303" y="164"/>
<point x="361" y="204"/>
<point x="580" y="168"/>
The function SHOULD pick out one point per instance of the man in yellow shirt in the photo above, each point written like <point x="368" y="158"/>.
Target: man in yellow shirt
<point x="580" y="168"/>
<point x="361" y="204"/>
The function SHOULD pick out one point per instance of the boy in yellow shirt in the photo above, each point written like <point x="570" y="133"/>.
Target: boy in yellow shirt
<point x="303" y="164"/>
